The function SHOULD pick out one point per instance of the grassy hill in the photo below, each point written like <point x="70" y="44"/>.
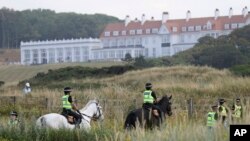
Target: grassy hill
<point x="12" y="74"/>
<point x="116" y="94"/>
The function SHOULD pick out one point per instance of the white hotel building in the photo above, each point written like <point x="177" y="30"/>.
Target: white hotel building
<point x="150" y="38"/>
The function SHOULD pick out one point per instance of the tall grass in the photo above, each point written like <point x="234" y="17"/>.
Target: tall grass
<point x="205" y="85"/>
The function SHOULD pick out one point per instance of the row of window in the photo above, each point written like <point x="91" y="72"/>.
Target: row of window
<point x="56" y="55"/>
<point x="191" y="38"/>
<point x="208" y="26"/>
<point x="133" y="41"/>
<point x="233" y="25"/>
<point x="115" y="54"/>
<point x="131" y="32"/>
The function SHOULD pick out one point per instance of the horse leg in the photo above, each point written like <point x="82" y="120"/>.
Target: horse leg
<point x="130" y="121"/>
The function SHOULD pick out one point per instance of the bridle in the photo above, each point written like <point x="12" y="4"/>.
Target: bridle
<point x="96" y="116"/>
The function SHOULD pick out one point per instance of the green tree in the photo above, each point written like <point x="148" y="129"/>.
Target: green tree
<point x="128" y="58"/>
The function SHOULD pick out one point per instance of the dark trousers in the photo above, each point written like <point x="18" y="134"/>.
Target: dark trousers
<point x="147" y="106"/>
<point x="77" y="116"/>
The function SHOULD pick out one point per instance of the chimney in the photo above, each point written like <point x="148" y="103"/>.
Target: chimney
<point x="136" y="20"/>
<point x="216" y="14"/>
<point x="143" y="19"/>
<point x="244" y="11"/>
<point x="152" y="18"/>
<point x="127" y="20"/>
<point x="165" y="17"/>
<point x="230" y="12"/>
<point x="188" y="15"/>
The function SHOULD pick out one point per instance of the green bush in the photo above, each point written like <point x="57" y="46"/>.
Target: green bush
<point x="68" y="73"/>
<point x="241" y="70"/>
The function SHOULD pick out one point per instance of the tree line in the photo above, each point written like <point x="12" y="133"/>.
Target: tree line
<point x="43" y="24"/>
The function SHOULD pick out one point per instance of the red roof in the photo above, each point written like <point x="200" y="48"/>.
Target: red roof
<point x="217" y="24"/>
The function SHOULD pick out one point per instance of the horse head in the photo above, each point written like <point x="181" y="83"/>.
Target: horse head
<point x="98" y="115"/>
<point x="93" y="110"/>
<point x="166" y="105"/>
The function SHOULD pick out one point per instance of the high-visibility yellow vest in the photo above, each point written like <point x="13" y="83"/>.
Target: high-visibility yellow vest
<point x="13" y="122"/>
<point x="210" y="119"/>
<point x="237" y="111"/>
<point x="148" y="97"/>
<point x="223" y="112"/>
<point x="66" y="103"/>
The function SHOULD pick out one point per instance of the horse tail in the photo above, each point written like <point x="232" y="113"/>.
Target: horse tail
<point x="130" y="121"/>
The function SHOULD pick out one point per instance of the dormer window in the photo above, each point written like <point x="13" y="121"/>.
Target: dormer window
<point x="155" y="30"/>
<point x="184" y="29"/>
<point x="132" y="32"/>
<point x="115" y="33"/>
<point x="139" y="31"/>
<point x="106" y="33"/>
<point x="147" y="31"/>
<point x="174" y="29"/>
<point x="226" y="26"/>
<point x="209" y="25"/>
<point x="234" y="26"/>
<point x="190" y="28"/>
<point x="198" y="28"/>
<point x="124" y="32"/>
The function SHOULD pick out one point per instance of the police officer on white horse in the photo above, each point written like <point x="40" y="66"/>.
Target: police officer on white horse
<point x="69" y="106"/>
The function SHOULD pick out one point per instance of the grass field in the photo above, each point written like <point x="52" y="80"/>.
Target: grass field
<point x="12" y="74"/>
<point x="205" y="85"/>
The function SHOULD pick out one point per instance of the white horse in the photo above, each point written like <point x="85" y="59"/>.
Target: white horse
<point x="92" y="110"/>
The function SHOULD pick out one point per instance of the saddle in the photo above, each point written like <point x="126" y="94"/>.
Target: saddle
<point x="152" y="111"/>
<point x="70" y="119"/>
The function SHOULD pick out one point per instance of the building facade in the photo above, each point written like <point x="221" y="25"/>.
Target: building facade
<point x="150" y="38"/>
<point x="58" y="51"/>
<point x="166" y="37"/>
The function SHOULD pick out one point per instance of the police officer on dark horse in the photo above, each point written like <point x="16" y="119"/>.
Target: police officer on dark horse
<point x="151" y="112"/>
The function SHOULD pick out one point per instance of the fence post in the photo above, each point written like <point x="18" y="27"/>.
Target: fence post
<point x="14" y="101"/>
<point x="135" y="104"/>
<point x="47" y="103"/>
<point x="190" y="108"/>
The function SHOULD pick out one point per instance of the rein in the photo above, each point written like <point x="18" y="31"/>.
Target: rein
<point x="93" y="117"/>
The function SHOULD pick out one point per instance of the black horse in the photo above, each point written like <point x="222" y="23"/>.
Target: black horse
<point x="146" y="118"/>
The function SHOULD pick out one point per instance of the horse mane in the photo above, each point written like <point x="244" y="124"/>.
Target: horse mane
<point x="90" y="102"/>
<point x="165" y="97"/>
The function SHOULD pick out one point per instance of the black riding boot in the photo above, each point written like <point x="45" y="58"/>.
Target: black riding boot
<point x="78" y="121"/>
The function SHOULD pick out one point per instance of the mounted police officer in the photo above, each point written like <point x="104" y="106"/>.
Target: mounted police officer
<point x="68" y="106"/>
<point x="149" y="98"/>
<point x="237" y="111"/>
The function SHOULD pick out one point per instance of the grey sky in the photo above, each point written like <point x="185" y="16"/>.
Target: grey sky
<point x="134" y="8"/>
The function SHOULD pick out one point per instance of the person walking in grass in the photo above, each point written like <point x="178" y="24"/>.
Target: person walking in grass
<point x="212" y="117"/>
<point x="13" y="121"/>
<point x="223" y="112"/>
<point x="237" y="111"/>
<point x="27" y="88"/>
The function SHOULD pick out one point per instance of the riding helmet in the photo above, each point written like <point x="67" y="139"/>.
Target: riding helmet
<point x="67" y="89"/>
<point x="222" y="100"/>
<point x="148" y="85"/>
<point x="13" y="113"/>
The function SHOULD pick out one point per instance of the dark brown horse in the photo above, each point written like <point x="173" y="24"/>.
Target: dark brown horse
<point x="146" y="118"/>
